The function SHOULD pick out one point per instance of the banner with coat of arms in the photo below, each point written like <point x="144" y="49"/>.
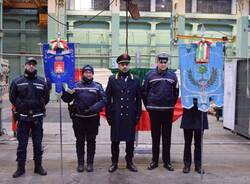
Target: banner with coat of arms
<point x="59" y="63"/>
<point x="201" y="68"/>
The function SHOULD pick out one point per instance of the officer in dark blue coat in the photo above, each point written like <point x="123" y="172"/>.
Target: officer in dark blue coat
<point x="123" y="111"/>
<point x="193" y="123"/>
<point x="29" y="93"/>
<point x="160" y="92"/>
<point x="88" y="100"/>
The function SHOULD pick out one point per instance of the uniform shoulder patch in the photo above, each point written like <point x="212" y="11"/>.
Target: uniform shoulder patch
<point x="98" y="84"/>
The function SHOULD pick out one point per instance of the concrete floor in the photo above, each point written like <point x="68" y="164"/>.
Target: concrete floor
<point x="226" y="156"/>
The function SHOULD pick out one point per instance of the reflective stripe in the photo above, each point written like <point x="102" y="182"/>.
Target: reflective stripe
<point x="161" y="79"/>
<point x="86" y="88"/>
<point x="177" y="85"/>
<point x="22" y="84"/>
<point x="39" y="87"/>
<point x="85" y="116"/>
<point x="37" y="84"/>
<point x="155" y="107"/>
<point x="35" y="115"/>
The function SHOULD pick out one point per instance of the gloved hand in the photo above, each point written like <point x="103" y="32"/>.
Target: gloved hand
<point x="65" y="88"/>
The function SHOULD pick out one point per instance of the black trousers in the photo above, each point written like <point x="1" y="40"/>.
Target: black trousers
<point x="86" y="129"/>
<point x="161" y="124"/>
<point x="188" y="136"/>
<point x="23" y="131"/>
<point x="115" y="151"/>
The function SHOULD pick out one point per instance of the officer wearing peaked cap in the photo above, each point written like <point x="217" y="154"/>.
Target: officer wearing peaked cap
<point x="123" y="111"/>
<point x="160" y="93"/>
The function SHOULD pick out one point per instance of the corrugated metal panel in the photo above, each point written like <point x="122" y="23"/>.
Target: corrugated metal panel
<point x="242" y="113"/>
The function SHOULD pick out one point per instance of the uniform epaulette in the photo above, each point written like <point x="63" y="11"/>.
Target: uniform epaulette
<point x="98" y="83"/>
<point x="41" y="78"/>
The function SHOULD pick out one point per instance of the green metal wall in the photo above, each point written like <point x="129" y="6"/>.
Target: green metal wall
<point x="22" y="35"/>
<point x="149" y="35"/>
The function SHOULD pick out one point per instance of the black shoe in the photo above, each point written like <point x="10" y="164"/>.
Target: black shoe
<point x="113" y="167"/>
<point x="168" y="166"/>
<point x="39" y="168"/>
<point x="186" y="169"/>
<point x="90" y="168"/>
<point x="152" y="165"/>
<point x="131" y="167"/>
<point x="80" y="167"/>
<point x="20" y="170"/>
<point x="199" y="170"/>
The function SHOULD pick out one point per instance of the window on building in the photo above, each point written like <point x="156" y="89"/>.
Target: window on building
<point x="163" y="5"/>
<point x="101" y="4"/>
<point x="188" y="6"/>
<point x="84" y="4"/>
<point x="143" y="5"/>
<point x="214" y="6"/>
<point x="88" y="4"/>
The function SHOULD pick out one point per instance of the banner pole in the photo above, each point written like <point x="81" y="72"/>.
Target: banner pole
<point x="60" y="120"/>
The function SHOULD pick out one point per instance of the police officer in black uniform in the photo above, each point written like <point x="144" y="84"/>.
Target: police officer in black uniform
<point x="123" y="111"/>
<point x="29" y="93"/>
<point x="193" y="123"/>
<point x="88" y="100"/>
<point x="160" y="93"/>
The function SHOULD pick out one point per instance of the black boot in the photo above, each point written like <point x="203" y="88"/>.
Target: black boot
<point x="90" y="167"/>
<point x="131" y="167"/>
<point x="39" y="169"/>
<point x="186" y="169"/>
<point x="113" y="167"/>
<point x="168" y="166"/>
<point x="199" y="170"/>
<point x="152" y="165"/>
<point x="20" y="170"/>
<point x="80" y="167"/>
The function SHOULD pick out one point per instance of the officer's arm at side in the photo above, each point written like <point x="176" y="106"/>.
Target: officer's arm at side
<point x="144" y="89"/>
<point x="109" y="100"/>
<point x="13" y="92"/>
<point x="138" y="102"/>
<point x="46" y="93"/>
<point x="97" y="107"/>
<point x="176" y="90"/>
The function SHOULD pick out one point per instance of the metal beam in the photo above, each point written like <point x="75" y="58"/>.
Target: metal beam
<point x="25" y="5"/>
<point x="7" y="3"/>
<point x="38" y="3"/>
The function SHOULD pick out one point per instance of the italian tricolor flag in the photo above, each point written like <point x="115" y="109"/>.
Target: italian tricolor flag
<point x="202" y="51"/>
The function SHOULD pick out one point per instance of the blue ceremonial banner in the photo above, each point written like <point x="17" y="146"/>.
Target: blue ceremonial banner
<point x="59" y="66"/>
<point x="201" y="68"/>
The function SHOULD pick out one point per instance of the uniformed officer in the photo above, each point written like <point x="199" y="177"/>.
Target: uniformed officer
<point x="88" y="100"/>
<point x="123" y="111"/>
<point x="29" y="93"/>
<point x="160" y="92"/>
<point x="193" y="123"/>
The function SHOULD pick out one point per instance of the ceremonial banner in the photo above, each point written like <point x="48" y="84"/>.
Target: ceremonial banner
<point x="201" y="67"/>
<point x="59" y="64"/>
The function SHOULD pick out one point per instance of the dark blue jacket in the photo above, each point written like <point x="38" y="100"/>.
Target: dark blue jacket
<point x="160" y="91"/>
<point x="88" y="98"/>
<point x="123" y="108"/>
<point x="192" y="118"/>
<point x="29" y="95"/>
